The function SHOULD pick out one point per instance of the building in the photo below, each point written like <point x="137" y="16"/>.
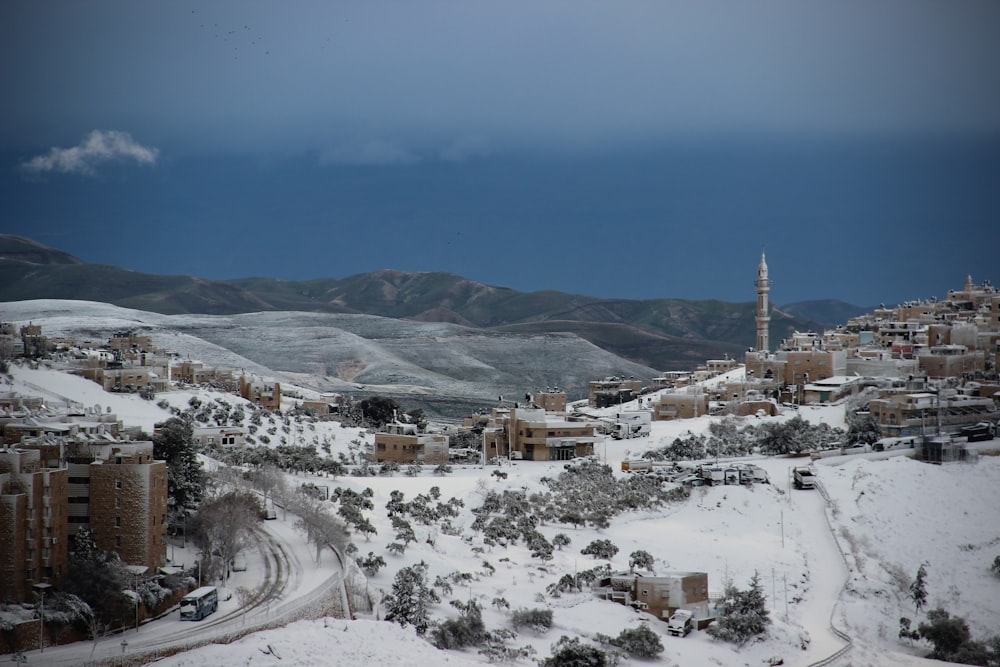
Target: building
<point x="763" y="319"/>
<point x="660" y="595"/>
<point x="33" y="526"/>
<point x="195" y="372"/>
<point x="402" y="443"/>
<point x="535" y="435"/>
<point x="686" y="403"/>
<point x="226" y="436"/>
<point x="922" y="413"/>
<point x="265" y="394"/>
<point x="612" y="391"/>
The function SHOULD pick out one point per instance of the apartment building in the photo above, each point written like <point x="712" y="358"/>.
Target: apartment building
<point x="33" y="524"/>
<point x="685" y="403"/>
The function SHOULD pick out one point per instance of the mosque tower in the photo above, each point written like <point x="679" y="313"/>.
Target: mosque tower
<point x="763" y="286"/>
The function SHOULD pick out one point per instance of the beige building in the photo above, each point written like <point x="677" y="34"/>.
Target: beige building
<point x="265" y="394"/>
<point x="659" y="595"/>
<point x="685" y="403"/>
<point x="402" y="443"/>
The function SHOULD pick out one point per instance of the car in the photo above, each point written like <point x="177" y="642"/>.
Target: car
<point x="270" y="514"/>
<point x="239" y="564"/>
<point x="980" y="431"/>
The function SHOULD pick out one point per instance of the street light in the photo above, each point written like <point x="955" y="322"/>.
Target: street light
<point x="40" y="589"/>
<point x="137" y="571"/>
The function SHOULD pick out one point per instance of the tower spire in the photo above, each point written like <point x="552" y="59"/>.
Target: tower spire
<point x="763" y="285"/>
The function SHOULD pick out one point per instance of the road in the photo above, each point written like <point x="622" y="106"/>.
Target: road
<point x="285" y="583"/>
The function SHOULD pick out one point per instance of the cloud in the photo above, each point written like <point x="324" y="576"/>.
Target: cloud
<point x="98" y="147"/>
<point x="375" y="152"/>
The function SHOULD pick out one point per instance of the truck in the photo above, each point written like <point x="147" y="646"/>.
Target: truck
<point x="637" y="465"/>
<point x="803" y="477"/>
<point x="631" y="424"/>
<point x="680" y="623"/>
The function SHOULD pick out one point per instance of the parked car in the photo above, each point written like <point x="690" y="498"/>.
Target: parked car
<point x="980" y="431"/>
<point x="239" y="564"/>
<point x="680" y="623"/>
<point x="269" y="513"/>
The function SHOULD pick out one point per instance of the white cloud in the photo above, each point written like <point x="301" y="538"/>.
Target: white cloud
<point x="98" y="147"/>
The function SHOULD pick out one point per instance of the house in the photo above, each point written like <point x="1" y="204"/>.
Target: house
<point x="534" y="435"/>
<point x="227" y="436"/>
<point x="402" y="443"/>
<point x="687" y="403"/>
<point x="659" y="595"/>
<point x="265" y="394"/>
<point x="612" y="391"/>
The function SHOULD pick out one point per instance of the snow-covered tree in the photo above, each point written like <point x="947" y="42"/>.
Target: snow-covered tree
<point x="918" y="589"/>
<point x="410" y="599"/>
<point x="600" y="549"/>
<point x="641" y="559"/>
<point x="744" y="614"/>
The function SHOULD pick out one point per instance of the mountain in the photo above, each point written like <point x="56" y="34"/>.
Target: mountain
<point x="665" y="334"/>
<point x="829" y="312"/>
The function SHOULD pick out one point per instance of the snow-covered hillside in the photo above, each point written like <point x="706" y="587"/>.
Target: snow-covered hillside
<point x="886" y="515"/>
<point x="350" y="353"/>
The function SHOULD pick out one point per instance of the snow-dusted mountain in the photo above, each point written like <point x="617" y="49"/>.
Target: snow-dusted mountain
<point x="446" y="369"/>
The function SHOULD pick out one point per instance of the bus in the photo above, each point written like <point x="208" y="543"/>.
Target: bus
<point x="199" y="603"/>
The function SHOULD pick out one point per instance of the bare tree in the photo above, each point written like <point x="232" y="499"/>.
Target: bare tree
<point x="321" y="528"/>
<point x="224" y="526"/>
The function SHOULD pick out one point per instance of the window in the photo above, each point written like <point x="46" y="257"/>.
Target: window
<point x="118" y="541"/>
<point x="118" y="522"/>
<point x="118" y="502"/>
<point x="29" y="574"/>
<point x="118" y="484"/>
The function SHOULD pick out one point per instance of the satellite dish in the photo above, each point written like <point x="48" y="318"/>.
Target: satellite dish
<point x="97" y="408"/>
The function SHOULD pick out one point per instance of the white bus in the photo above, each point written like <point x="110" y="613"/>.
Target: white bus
<point x="199" y="603"/>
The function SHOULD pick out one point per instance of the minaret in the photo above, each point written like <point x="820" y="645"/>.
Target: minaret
<point x="763" y="286"/>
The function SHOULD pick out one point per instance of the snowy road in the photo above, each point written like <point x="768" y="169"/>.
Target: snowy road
<point x="283" y="575"/>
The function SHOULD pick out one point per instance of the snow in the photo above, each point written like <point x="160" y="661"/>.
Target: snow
<point x="887" y="514"/>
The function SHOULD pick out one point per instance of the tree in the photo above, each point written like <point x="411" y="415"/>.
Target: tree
<point x="571" y="652"/>
<point x="466" y="630"/>
<point x="224" y="526"/>
<point x="174" y="443"/>
<point x="918" y="589"/>
<point x="600" y="549"/>
<point x="863" y="429"/>
<point x="996" y="565"/>
<point x="377" y="411"/>
<point x="947" y="633"/>
<point x="640" y="642"/>
<point x="321" y="528"/>
<point x="99" y="577"/>
<point x="561" y="540"/>
<point x="641" y="559"/>
<point x="410" y="599"/>
<point x="744" y="614"/>
<point x="370" y="564"/>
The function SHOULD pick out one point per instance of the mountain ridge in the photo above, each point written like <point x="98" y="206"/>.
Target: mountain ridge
<point x="667" y="334"/>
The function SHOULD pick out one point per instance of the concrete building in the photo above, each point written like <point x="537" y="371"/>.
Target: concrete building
<point x="265" y="394"/>
<point x="659" y="595"/>
<point x="612" y="391"/>
<point x="402" y="443"/>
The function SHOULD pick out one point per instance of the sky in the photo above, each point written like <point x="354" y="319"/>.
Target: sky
<point x="623" y="150"/>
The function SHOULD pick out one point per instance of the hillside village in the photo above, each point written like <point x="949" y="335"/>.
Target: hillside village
<point x="920" y="377"/>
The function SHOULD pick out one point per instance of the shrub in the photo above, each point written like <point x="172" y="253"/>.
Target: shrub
<point x="640" y="642"/>
<point x="571" y="652"/>
<point x="466" y="630"/>
<point x="538" y="620"/>
<point x="600" y="549"/>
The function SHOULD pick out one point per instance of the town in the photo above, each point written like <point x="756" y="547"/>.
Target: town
<point x="916" y="380"/>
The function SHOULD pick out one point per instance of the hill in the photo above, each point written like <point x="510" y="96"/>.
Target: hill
<point x="665" y="334"/>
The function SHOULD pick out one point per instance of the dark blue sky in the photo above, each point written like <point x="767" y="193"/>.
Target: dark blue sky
<point x="633" y="149"/>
